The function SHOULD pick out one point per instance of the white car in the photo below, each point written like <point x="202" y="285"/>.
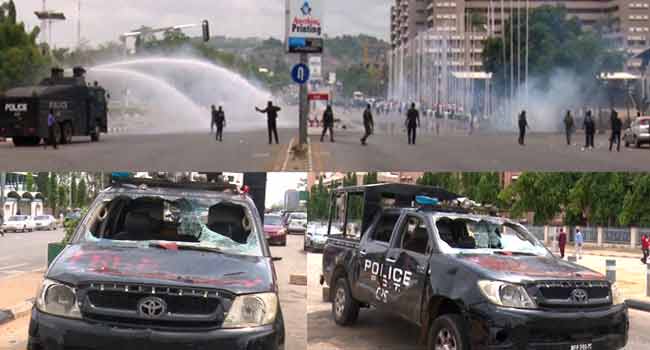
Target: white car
<point x="18" y="223"/>
<point x="45" y="222"/>
<point x="297" y="222"/>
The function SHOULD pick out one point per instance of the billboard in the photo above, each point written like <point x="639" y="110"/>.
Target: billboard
<point x="304" y="26"/>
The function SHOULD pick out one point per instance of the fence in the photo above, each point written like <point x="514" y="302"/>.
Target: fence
<point x="610" y="235"/>
<point x="537" y="231"/>
<point x="589" y="234"/>
<point x="617" y="236"/>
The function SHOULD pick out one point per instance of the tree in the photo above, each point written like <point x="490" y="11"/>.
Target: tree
<point x="82" y="193"/>
<point x="636" y="206"/>
<point x="62" y="197"/>
<point x="73" y="191"/>
<point x="42" y="180"/>
<point x="370" y="179"/>
<point x="29" y="182"/>
<point x="488" y="189"/>
<point x="318" y="206"/>
<point x="53" y="192"/>
<point x="448" y="181"/>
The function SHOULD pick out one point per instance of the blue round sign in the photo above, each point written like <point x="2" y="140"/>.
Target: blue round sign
<point x="300" y="73"/>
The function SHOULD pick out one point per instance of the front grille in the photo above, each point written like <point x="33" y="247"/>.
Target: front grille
<point x="185" y="307"/>
<point x="560" y="294"/>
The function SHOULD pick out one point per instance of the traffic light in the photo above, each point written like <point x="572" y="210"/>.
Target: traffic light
<point x="206" y="31"/>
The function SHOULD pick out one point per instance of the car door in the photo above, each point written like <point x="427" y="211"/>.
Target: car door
<point x="407" y="266"/>
<point x="372" y="253"/>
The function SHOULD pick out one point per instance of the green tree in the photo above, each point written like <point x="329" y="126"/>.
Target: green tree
<point x="82" y="193"/>
<point x="29" y="182"/>
<point x="73" y="191"/>
<point x="636" y="206"/>
<point x="53" y="192"/>
<point x="42" y="180"/>
<point x="449" y="181"/>
<point x="370" y="179"/>
<point x="62" y="197"/>
<point x="318" y="206"/>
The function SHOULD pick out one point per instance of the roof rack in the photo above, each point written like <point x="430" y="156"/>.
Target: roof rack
<point x="203" y="186"/>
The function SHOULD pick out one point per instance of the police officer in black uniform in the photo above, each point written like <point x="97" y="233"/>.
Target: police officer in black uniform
<point x="328" y="123"/>
<point x="220" y="120"/>
<point x="412" y="123"/>
<point x="617" y="126"/>
<point x="523" y="125"/>
<point x="271" y="112"/>
<point x="368" y="124"/>
<point x="213" y="121"/>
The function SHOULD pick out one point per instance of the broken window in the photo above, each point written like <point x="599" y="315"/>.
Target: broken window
<point x="184" y="220"/>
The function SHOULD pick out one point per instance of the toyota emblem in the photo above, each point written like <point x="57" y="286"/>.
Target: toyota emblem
<point x="579" y="296"/>
<point x="152" y="307"/>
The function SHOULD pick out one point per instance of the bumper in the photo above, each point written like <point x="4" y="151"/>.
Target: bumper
<point x="279" y="239"/>
<point x="55" y="333"/>
<point x="493" y="327"/>
<point x="297" y="229"/>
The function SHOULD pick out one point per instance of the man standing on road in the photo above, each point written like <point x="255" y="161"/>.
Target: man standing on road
<point x="579" y="241"/>
<point x="617" y="126"/>
<point x="523" y="125"/>
<point x="569" y="124"/>
<point x="412" y="123"/>
<point x="561" y="240"/>
<point x="213" y="121"/>
<point x="368" y="124"/>
<point x="590" y="130"/>
<point x="271" y="112"/>
<point x="220" y="121"/>
<point x="328" y="123"/>
<point x="51" y="135"/>
<point x="645" y="248"/>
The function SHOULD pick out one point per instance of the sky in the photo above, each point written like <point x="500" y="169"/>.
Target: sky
<point x="278" y="183"/>
<point x="104" y="21"/>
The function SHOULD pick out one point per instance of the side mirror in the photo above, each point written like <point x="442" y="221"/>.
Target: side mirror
<point x="206" y="31"/>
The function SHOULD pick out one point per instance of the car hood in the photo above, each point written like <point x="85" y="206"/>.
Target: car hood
<point x="91" y="262"/>
<point x="521" y="268"/>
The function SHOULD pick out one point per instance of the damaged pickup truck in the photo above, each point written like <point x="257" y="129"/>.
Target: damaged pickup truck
<point x="470" y="281"/>
<point x="157" y="265"/>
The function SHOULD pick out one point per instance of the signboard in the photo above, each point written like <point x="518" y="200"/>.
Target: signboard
<point x="319" y="96"/>
<point x="300" y="73"/>
<point x="332" y="78"/>
<point x="304" y="26"/>
<point x="316" y="67"/>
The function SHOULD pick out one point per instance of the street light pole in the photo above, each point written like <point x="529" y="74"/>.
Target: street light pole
<point x="304" y="105"/>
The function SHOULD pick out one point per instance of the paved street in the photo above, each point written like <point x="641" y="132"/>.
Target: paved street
<point x="25" y="252"/>
<point x="240" y="151"/>
<point x="376" y="330"/>
<point x="292" y="298"/>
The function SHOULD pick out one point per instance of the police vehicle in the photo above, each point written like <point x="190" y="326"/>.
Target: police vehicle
<point x="469" y="280"/>
<point x="80" y="109"/>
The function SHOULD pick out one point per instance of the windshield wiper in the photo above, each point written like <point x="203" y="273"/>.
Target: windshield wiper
<point x="176" y="246"/>
<point x="505" y="252"/>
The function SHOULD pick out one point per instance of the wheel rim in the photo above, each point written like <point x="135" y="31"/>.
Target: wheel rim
<point x="445" y="340"/>
<point x="339" y="303"/>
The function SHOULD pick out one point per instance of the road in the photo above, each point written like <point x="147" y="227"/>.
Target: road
<point x="293" y="300"/>
<point x="25" y="252"/>
<point x="240" y="151"/>
<point x="376" y="330"/>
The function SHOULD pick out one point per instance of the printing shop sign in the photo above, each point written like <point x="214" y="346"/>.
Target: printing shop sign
<point x="305" y="26"/>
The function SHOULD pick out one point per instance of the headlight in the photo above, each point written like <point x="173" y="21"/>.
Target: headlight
<point x="617" y="297"/>
<point x="57" y="299"/>
<point x="252" y="311"/>
<point x="506" y="294"/>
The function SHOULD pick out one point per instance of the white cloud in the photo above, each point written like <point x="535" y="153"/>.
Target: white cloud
<point x="104" y="21"/>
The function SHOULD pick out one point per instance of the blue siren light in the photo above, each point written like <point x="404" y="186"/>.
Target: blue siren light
<point x="425" y="200"/>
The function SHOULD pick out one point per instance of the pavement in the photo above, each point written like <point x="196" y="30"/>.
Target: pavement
<point x="378" y="330"/>
<point x="20" y="288"/>
<point x="22" y="253"/>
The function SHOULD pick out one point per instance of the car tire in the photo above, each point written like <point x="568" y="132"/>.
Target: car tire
<point x="448" y="332"/>
<point x="66" y="133"/>
<point x="344" y="308"/>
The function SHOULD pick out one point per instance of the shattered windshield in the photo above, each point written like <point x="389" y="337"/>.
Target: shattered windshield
<point x="485" y="236"/>
<point x="180" y="222"/>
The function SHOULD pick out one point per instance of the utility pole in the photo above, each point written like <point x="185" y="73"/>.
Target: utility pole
<point x="527" y="47"/>
<point x="79" y="23"/>
<point x="3" y="180"/>
<point x="304" y="105"/>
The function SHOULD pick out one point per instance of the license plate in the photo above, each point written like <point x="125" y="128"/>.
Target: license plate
<point x="588" y="346"/>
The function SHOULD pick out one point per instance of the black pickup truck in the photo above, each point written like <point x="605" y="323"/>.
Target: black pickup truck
<point x="470" y="281"/>
<point x="158" y="265"/>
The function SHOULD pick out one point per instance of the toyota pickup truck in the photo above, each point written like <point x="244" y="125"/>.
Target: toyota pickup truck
<point x="469" y="280"/>
<point x="159" y="265"/>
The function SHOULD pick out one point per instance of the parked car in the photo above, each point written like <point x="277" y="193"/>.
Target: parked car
<point x="159" y="265"/>
<point x="315" y="237"/>
<point x="45" y="222"/>
<point x="19" y="223"/>
<point x="274" y="230"/>
<point x="638" y="133"/>
<point x="471" y="281"/>
<point x="297" y="222"/>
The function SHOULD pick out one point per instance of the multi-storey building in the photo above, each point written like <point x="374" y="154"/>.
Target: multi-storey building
<point x="432" y="40"/>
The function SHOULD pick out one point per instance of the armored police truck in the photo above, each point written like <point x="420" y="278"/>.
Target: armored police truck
<point x="79" y="109"/>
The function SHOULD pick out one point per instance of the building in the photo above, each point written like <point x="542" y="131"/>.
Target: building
<point x="336" y="179"/>
<point x="291" y="200"/>
<point x="15" y="199"/>
<point x="433" y="40"/>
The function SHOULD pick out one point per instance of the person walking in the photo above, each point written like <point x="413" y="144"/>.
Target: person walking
<point x="523" y="125"/>
<point x="368" y="124"/>
<point x="412" y="123"/>
<point x="590" y="130"/>
<point x="561" y="240"/>
<point x="271" y="112"/>
<point x="579" y="241"/>
<point x="51" y="134"/>
<point x="328" y="123"/>
<point x="645" y="248"/>
<point x="213" y="119"/>
<point x="569" y="124"/>
<point x="617" y="126"/>
<point x="220" y="121"/>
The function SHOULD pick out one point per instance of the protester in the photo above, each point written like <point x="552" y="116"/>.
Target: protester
<point x="590" y="130"/>
<point x="645" y="248"/>
<point x="412" y="123"/>
<point x="523" y="125"/>
<point x="562" y="239"/>
<point x="213" y="120"/>
<point x="220" y="121"/>
<point x="272" y="116"/>
<point x="617" y="126"/>
<point x="368" y="124"/>
<point x="569" y="124"/>
<point x="328" y="124"/>
<point x="579" y="241"/>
